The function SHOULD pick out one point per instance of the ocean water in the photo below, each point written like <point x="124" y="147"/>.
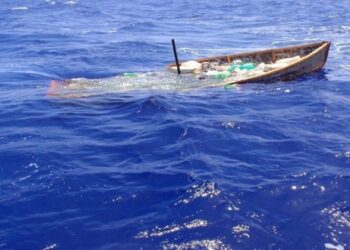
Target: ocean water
<point x="260" y="166"/>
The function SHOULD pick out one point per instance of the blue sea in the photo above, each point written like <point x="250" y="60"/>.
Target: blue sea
<point x="259" y="166"/>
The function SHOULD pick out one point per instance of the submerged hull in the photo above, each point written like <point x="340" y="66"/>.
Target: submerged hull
<point x="313" y="57"/>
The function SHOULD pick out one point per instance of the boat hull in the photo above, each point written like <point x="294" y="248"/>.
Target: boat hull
<point x="314" y="57"/>
<point x="313" y="62"/>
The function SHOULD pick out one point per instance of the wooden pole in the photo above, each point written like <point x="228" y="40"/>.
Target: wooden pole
<point x="176" y="59"/>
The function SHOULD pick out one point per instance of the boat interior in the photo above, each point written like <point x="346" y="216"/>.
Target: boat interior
<point x="266" y="56"/>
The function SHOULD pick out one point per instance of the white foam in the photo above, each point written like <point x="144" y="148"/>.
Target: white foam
<point x="240" y="228"/>
<point x="70" y="2"/>
<point x="159" y="81"/>
<point x="198" y="244"/>
<point x="160" y="231"/>
<point x="346" y="154"/>
<point x="338" y="223"/>
<point x="20" y="8"/>
<point x="333" y="247"/>
<point x="24" y="178"/>
<point x="241" y="231"/>
<point x="33" y="165"/>
<point x="207" y="190"/>
<point x="52" y="246"/>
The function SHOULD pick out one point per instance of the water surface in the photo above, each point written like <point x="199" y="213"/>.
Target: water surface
<point x="255" y="167"/>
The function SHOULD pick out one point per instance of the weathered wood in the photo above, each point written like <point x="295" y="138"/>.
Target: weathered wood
<point x="313" y="57"/>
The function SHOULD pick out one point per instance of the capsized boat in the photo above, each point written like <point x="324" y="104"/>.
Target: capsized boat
<point x="280" y="64"/>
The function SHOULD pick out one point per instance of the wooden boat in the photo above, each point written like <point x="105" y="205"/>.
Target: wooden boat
<point x="312" y="58"/>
